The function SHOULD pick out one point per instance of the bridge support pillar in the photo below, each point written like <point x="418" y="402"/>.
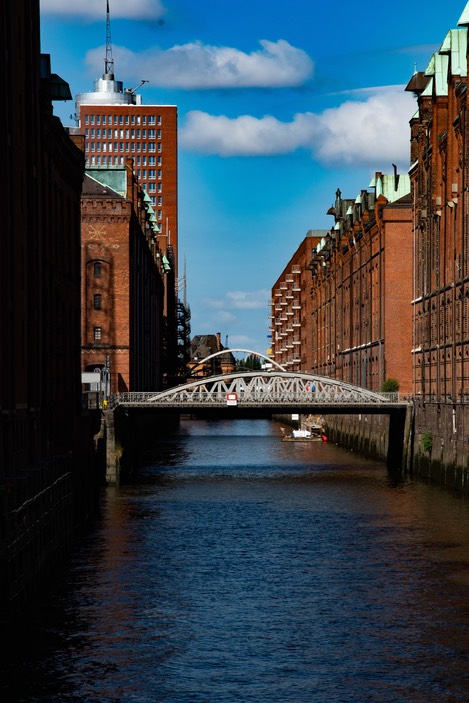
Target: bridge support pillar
<point x="112" y="457"/>
<point x="399" y="438"/>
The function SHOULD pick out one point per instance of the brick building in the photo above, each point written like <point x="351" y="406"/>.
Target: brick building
<point x="439" y="174"/>
<point x="40" y="391"/>
<point x="361" y="275"/>
<point x="291" y="315"/>
<point x="334" y="307"/>
<point x="117" y="126"/>
<point x="123" y="287"/>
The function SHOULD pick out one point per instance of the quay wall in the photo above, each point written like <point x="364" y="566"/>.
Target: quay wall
<point x="436" y="441"/>
<point x="44" y="510"/>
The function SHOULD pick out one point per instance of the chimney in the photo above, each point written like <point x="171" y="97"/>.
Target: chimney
<point x="218" y="341"/>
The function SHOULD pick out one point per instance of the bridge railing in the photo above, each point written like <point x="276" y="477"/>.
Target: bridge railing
<point x="201" y="397"/>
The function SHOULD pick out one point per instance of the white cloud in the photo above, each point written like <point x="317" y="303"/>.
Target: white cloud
<point x="196" y="66"/>
<point x="240" y="300"/>
<point x="91" y="9"/>
<point x="356" y="132"/>
<point x="251" y="300"/>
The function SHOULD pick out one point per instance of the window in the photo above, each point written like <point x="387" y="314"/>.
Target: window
<point x="132" y="119"/>
<point x="159" y="119"/>
<point x="87" y="119"/>
<point x="144" y="120"/>
<point x="160" y="187"/>
<point x="159" y="134"/>
<point x="160" y="214"/>
<point x="92" y="134"/>
<point x="151" y="119"/>
<point x="126" y="119"/>
<point x="97" y="301"/>
<point x="153" y="200"/>
<point x="160" y="200"/>
<point x="97" y="334"/>
<point x="151" y="173"/>
<point x="92" y="119"/>
<point x="160" y="160"/>
<point x="115" y="119"/>
<point x="86" y="133"/>
<point x="98" y="119"/>
<point x="151" y="146"/>
<point x="159" y="146"/>
<point x="160" y="173"/>
<point x="127" y="133"/>
<point x="152" y="160"/>
<point x="121" y="119"/>
<point x="98" y="134"/>
<point x="151" y="133"/>
<point x="152" y="187"/>
<point x="97" y="269"/>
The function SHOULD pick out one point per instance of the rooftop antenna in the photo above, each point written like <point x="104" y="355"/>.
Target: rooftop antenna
<point x="108" y="61"/>
<point x="132" y="90"/>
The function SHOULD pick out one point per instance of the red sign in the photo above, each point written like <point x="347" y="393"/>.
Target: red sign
<point x="232" y="399"/>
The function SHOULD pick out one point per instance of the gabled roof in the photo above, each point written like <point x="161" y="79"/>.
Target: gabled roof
<point x="464" y="19"/>
<point x="95" y="189"/>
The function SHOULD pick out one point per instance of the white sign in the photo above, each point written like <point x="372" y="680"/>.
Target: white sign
<point x="232" y="399"/>
<point x="90" y="377"/>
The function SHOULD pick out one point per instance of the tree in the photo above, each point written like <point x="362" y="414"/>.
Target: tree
<point x="250" y="363"/>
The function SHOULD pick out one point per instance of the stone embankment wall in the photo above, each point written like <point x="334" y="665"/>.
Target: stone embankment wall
<point x="44" y="511"/>
<point x="436" y="441"/>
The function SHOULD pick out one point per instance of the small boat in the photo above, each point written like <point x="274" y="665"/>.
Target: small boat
<point x="305" y="436"/>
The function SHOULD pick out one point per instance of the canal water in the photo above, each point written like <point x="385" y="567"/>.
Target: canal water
<point x="237" y="568"/>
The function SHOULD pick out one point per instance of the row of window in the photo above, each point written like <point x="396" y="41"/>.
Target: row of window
<point x="123" y="119"/>
<point x="152" y="173"/>
<point x="116" y="160"/>
<point x="119" y="146"/>
<point x="121" y="133"/>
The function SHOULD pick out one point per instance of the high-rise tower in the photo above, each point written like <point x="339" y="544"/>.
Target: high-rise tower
<point x="117" y="126"/>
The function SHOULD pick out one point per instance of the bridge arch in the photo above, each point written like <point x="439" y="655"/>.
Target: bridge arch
<point x="242" y="351"/>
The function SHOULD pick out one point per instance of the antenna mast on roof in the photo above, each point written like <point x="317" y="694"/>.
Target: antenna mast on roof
<point x="108" y="61"/>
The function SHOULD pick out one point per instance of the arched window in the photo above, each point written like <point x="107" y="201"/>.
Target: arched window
<point x="97" y="269"/>
<point x="97" y="303"/>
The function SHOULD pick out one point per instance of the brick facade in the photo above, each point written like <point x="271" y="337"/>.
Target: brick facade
<point x="347" y="285"/>
<point x="148" y="135"/>
<point x="439" y="176"/>
<point x="291" y="314"/>
<point x="122" y="282"/>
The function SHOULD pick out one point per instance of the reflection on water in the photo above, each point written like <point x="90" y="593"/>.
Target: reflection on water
<point x="241" y="568"/>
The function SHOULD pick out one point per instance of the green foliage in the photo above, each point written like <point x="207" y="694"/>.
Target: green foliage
<point x="426" y="439"/>
<point x="252" y="362"/>
<point x="390" y="385"/>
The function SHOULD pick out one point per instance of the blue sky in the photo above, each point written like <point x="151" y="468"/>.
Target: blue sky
<point x="279" y="103"/>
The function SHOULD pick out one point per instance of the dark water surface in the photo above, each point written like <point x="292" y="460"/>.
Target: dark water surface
<point x="238" y="568"/>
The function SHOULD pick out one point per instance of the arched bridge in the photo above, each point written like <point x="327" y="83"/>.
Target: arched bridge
<point x="270" y="391"/>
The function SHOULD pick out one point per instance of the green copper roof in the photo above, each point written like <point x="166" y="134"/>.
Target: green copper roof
<point x="464" y="19"/>
<point x="113" y="178"/>
<point x="386" y="185"/>
<point x="452" y="54"/>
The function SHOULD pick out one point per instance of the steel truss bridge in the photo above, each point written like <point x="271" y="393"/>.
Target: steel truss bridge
<point x="267" y="391"/>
